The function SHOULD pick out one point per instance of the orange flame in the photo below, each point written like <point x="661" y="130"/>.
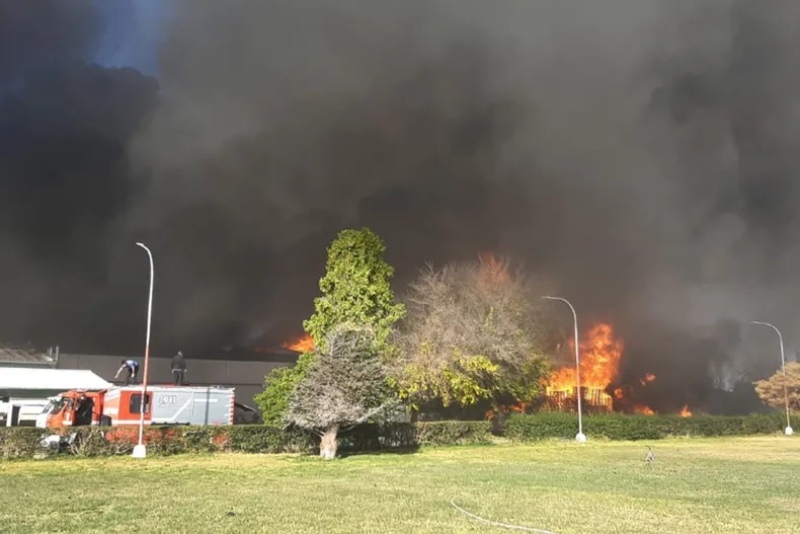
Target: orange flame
<point x="302" y="344"/>
<point x="649" y="377"/>
<point x="600" y="354"/>
<point x="686" y="412"/>
<point x="520" y="407"/>
<point x="492" y="269"/>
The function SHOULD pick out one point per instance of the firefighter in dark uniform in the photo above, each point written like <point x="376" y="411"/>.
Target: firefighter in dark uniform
<point x="178" y="366"/>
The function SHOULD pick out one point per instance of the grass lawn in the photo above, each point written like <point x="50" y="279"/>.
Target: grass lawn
<point x="747" y="485"/>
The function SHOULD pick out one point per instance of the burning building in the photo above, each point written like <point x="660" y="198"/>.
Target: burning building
<point x="600" y="357"/>
<point x="600" y="354"/>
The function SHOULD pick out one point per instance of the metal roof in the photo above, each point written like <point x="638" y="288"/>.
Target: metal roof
<point x="22" y="382"/>
<point x="236" y="355"/>
<point x="28" y="356"/>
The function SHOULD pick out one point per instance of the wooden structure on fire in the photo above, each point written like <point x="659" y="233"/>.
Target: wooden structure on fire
<point x="566" y="398"/>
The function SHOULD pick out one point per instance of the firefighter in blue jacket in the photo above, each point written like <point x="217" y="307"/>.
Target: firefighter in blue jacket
<point x="133" y="370"/>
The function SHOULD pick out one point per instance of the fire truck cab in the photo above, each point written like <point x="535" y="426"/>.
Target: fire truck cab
<point x="72" y="408"/>
<point x="119" y="406"/>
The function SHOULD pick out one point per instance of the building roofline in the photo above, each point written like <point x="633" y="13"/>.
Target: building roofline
<point x="289" y="357"/>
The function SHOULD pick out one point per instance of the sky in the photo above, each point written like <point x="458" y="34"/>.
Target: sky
<point x="133" y="33"/>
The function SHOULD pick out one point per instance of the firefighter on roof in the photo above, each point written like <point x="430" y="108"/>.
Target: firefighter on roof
<point x="178" y="366"/>
<point x="133" y="370"/>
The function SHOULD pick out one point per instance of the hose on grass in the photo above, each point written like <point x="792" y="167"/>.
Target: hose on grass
<point x="497" y="523"/>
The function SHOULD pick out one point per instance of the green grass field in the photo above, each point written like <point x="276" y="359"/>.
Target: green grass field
<point x="747" y="485"/>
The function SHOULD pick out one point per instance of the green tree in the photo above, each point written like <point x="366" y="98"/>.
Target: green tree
<point x="279" y="384"/>
<point x="473" y="332"/>
<point x="356" y="289"/>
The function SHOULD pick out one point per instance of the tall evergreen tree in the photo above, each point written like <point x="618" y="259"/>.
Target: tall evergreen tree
<point x="356" y="290"/>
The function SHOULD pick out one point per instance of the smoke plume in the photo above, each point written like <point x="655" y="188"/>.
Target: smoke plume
<point x="640" y="152"/>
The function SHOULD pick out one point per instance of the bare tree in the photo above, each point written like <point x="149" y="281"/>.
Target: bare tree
<point x="472" y="330"/>
<point x="346" y="385"/>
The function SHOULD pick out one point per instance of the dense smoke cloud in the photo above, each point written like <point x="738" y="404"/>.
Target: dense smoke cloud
<point x="642" y="153"/>
<point x="64" y="129"/>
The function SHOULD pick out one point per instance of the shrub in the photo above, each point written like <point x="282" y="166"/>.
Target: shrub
<point x="278" y="386"/>
<point x="24" y="442"/>
<point x="90" y="441"/>
<point x="637" y="427"/>
<point x="438" y="433"/>
<point x="399" y="436"/>
<point x="268" y="439"/>
<point x="19" y="442"/>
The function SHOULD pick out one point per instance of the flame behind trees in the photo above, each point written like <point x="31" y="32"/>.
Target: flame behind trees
<point x="303" y="345"/>
<point x="473" y="331"/>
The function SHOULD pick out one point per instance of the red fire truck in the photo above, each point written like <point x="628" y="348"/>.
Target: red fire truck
<point x="121" y="406"/>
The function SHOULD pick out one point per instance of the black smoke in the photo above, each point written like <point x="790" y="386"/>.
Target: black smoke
<point x="65" y="178"/>
<point x="641" y="153"/>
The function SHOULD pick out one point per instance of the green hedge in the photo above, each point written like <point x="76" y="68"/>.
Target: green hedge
<point x="19" y="442"/>
<point x="637" y="427"/>
<point x="440" y="433"/>
<point x="22" y="442"/>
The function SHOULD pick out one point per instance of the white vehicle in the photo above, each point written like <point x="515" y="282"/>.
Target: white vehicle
<point x="21" y="411"/>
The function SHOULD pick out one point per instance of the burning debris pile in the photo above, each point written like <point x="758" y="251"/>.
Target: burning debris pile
<point x="600" y="356"/>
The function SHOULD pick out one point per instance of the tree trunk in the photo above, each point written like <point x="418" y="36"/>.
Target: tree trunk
<point x="327" y="447"/>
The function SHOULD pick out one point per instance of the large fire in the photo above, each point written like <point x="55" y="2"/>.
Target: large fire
<point x="600" y="354"/>
<point x="302" y="344"/>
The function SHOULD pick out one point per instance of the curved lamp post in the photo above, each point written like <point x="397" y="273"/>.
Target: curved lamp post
<point x="580" y="437"/>
<point x="140" y="450"/>
<point x="789" y="430"/>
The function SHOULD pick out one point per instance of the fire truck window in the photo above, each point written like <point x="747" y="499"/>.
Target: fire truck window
<point x="136" y="401"/>
<point x="54" y="405"/>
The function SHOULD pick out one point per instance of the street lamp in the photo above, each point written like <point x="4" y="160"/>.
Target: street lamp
<point x="789" y="430"/>
<point x="581" y="437"/>
<point x="140" y="450"/>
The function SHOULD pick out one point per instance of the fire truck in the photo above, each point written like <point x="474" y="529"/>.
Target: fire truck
<point x="121" y="406"/>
